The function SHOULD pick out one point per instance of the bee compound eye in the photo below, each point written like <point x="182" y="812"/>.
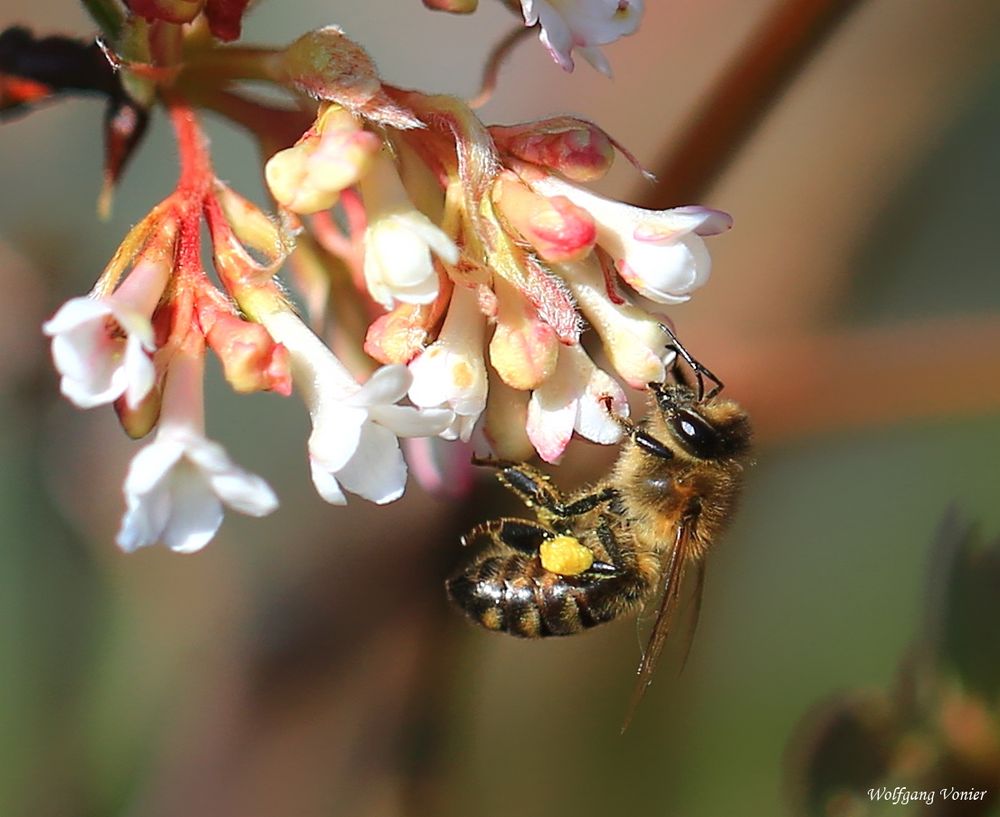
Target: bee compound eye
<point x="696" y="435"/>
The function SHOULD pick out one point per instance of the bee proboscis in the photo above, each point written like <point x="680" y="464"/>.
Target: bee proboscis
<point x="668" y="497"/>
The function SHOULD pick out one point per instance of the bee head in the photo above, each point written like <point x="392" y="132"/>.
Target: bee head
<point x="712" y="429"/>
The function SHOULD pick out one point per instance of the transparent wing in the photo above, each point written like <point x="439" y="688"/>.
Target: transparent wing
<point x="666" y="610"/>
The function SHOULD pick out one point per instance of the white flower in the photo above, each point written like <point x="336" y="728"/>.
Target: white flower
<point x="176" y="485"/>
<point x="354" y="443"/>
<point x="583" y="24"/>
<point x="399" y="240"/>
<point x="451" y="371"/>
<point x="101" y="346"/>
<point x="659" y="253"/>
<point x="633" y="340"/>
<point x="574" y="398"/>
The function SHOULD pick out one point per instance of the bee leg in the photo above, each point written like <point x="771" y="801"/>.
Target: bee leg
<point x="643" y="439"/>
<point x="700" y="372"/>
<point x="534" y="489"/>
<point x="521" y="535"/>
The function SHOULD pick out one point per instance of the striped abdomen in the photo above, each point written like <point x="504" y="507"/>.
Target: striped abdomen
<point x="515" y="594"/>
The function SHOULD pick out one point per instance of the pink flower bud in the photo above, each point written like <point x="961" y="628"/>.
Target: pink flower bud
<point x="251" y="360"/>
<point x="399" y="335"/>
<point x="578" y="150"/>
<point x="555" y="227"/>
<point x="453" y="6"/>
<point x="225" y="17"/>
<point x="170" y="11"/>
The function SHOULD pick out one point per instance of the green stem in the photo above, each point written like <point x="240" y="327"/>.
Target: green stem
<point x="234" y="63"/>
<point x="109" y="16"/>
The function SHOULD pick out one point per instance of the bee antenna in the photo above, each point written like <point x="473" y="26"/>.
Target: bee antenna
<point x="700" y="372"/>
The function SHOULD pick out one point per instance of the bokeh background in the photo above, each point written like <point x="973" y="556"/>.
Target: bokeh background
<point x="307" y="664"/>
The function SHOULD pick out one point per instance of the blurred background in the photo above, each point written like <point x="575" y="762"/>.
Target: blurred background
<point x="307" y="663"/>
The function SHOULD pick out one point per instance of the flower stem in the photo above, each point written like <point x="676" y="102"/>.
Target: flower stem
<point x="749" y="87"/>
<point x="107" y="14"/>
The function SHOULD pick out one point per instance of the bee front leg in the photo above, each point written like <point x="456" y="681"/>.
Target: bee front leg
<point x="641" y="438"/>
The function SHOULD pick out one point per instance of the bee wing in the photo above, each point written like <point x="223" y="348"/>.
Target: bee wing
<point x="673" y="579"/>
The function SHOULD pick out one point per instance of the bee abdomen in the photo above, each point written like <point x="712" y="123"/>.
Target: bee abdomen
<point x="515" y="594"/>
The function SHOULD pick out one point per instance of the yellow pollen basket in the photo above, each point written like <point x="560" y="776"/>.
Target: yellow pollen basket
<point x="565" y="555"/>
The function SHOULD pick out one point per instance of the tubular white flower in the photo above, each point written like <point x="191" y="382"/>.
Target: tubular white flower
<point x="451" y="372"/>
<point x="101" y="345"/>
<point x="632" y="339"/>
<point x="659" y="253"/>
<point x="176" y="486"/>
<point x="583" y="24"/>
<point x="574" y="398"/>
<point x="399" y="240"/>
<point x="354" y="443"/>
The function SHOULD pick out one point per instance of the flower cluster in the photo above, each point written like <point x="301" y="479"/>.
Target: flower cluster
<point x="448" y="271"/>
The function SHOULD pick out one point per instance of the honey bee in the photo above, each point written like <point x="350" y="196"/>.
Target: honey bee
<point x="607" y="550"/>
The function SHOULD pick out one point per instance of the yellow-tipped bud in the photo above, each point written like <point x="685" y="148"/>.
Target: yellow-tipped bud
<point x="524" y="349"/>
<point x="139" y="421"/>
<point x="309" y="176"/>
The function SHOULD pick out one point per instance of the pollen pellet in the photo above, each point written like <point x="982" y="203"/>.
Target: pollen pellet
<point x="565" y="555"/>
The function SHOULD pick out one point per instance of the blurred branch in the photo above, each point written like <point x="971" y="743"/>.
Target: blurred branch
<point x="748" y="89"/>
<point x="865" y="377"/>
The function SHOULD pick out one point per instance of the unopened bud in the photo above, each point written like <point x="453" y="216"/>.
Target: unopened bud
<point x="139" y="421"/>
<point x="578" y="150"/>
<point x="400" y="335"/>
<point x="505" y="419"/>
<point x="453" y="6"/>
<point x="555" y="227"/>
<point x="170" y="11"/>
<point x="251" y="360"/>
<point x="309" y="176"/>
<point x="524" y="349"/>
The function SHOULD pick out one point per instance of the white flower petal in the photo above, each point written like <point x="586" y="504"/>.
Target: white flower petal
<point x="175" y="489"/>
<point x="398" y="264"/>
<point x="245" y="492"/>
<point x="596" y="58"/>
<point x="377" y="471"/>
<point x="152" y="464"/>
<point x="452" y="371"/>
<point x="75" y="312"/>
<point x="99" y="361"/>
<point x="326" y="484"/>
<point x="196" y="513"/>
<point x="584" y="24"/>
<point x="336" y="434"/>
<point x="139" y="372"/>
<point x="594" y="418"/>
<point x="388" y="384"/>
<point x="406" y="421"/>
<point x="550" y="426"/>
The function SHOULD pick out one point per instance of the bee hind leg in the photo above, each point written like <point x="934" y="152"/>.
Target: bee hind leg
<point x="521" y="535"/>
